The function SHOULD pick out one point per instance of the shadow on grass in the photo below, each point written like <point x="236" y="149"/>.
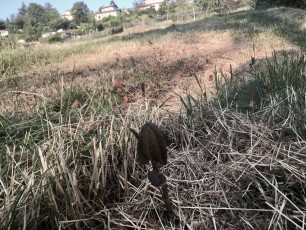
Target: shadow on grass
<point x="286" y="23"/>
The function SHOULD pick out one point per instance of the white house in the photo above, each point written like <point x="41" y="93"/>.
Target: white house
<point x="151" y="4"/>
<point x="4" y="33"/>
<point x="105" y="11"/>
<point x="68" y="15"/>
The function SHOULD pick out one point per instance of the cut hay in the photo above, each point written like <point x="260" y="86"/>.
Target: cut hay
<point x="226" y="173"/>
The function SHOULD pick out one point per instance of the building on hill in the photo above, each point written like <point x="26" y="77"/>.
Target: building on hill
<point x="68" y="15"/>
<point x="105" y="11"/>
<point x="155" y="4"/>
<point x="4" y="33"/>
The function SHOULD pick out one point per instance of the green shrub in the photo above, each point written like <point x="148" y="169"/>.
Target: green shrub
<point x="111" y="21"/>
<point x="54" y="38"/>
<point x="283" y="82"/>
<point x="100" y="26"/>
<point x="292" y="3"/>
<point x="116" y="30"/>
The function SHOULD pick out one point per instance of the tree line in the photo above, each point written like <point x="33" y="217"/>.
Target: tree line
<point x="34" y="19"/>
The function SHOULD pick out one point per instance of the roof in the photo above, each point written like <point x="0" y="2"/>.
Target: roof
<point x="150" y="4"/>
<point x="103" y="7"/>
<point x="153" y="2"/>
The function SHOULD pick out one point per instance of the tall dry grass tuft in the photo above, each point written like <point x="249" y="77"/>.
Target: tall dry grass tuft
<point x="61" y="165"/>
<point x="223" y="172"/>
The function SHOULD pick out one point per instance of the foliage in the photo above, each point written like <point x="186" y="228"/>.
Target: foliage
<point x="283" y="82"/>
<point x="182" y="7"/>
<point x="37" y="20"/>
<point x="79" y="11"/>
<point x="116" y="30"/>
<point x="22" y="11"/>
<point x="20" y="22"/>
<point x="36" y="14"/>
<point x="110" y="21"/>
<point x="150" y="12"/>
<point x="292" y="3"/>
<point x="225" y="4"/>
<point x="167" y="8"/>
<point x="54" y="38"/>
<point x="152" y="148"/>
<point x="86" y="28"/>
<point x="2" y="25"/>
<point x="204" y="4"/>
<point x="100" y="26"/>
<point x="138" y="3"/>
<point x="60" y="23"/>
<point x="277" y="92"/>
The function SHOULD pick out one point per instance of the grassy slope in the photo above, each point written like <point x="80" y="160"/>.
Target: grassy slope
<point x="68" y="159"/>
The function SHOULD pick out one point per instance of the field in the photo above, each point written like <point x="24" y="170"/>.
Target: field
<point x="228" y="91"/>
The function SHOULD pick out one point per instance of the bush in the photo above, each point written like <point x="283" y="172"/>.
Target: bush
<point x="111" y="21"/>
<point x="54" y="38"/>
<point x="117" y="30"/>
<point x="100" y="26"/>
<point x="292" y="3"/>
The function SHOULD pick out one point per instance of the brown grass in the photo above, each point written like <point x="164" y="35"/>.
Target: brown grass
<point x="226" y="170"/>
<point x="167" y="66"/>
<point x="223" y="173"/>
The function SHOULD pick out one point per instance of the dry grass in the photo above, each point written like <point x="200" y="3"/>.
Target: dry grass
<point x="224" y="172"/>
<point x="68" y="158"/>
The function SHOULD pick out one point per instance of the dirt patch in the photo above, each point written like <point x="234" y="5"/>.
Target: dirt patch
<point x="165" y="67"/>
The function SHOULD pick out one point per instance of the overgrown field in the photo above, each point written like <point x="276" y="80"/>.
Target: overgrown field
<point x="227" y="91"/>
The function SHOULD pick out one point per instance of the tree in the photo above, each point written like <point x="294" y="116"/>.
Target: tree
<point x="20" y="18"/>
<point x="208" y="4"/>
<point x="20" y="22"/>
<point x="60" y="23"/>
<point x="12" y="17"/>
<point x="182" y="7"/>
<point x="22" y="11"/>
<point x="35" y="21"/>
<point x="51" y="12"/>
<point x="163" y="10"/>
<point x="36" y="14"/>
<point x="52" y="17"/>
<point x="2" y="25"/>
<point x="138" y="3"/>
<point x="79" y="11"/>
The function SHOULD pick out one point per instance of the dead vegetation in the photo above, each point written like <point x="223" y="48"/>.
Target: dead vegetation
<point x="68" y="158"/>
<point x="223" y="172"/>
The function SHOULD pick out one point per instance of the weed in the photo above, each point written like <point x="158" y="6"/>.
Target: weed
<point x="152" y="148"/>
<point x="283" y="82"/>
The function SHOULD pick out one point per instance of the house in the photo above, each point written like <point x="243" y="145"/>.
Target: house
<point x="126" y="11"/>
<point x="155" y="4"/>
<point x="4" y="33"/>
<point x="68" y="15"/>
<point x="105" y="11"/>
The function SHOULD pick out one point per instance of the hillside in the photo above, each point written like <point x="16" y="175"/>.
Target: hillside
<point x="68" y="157"/>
